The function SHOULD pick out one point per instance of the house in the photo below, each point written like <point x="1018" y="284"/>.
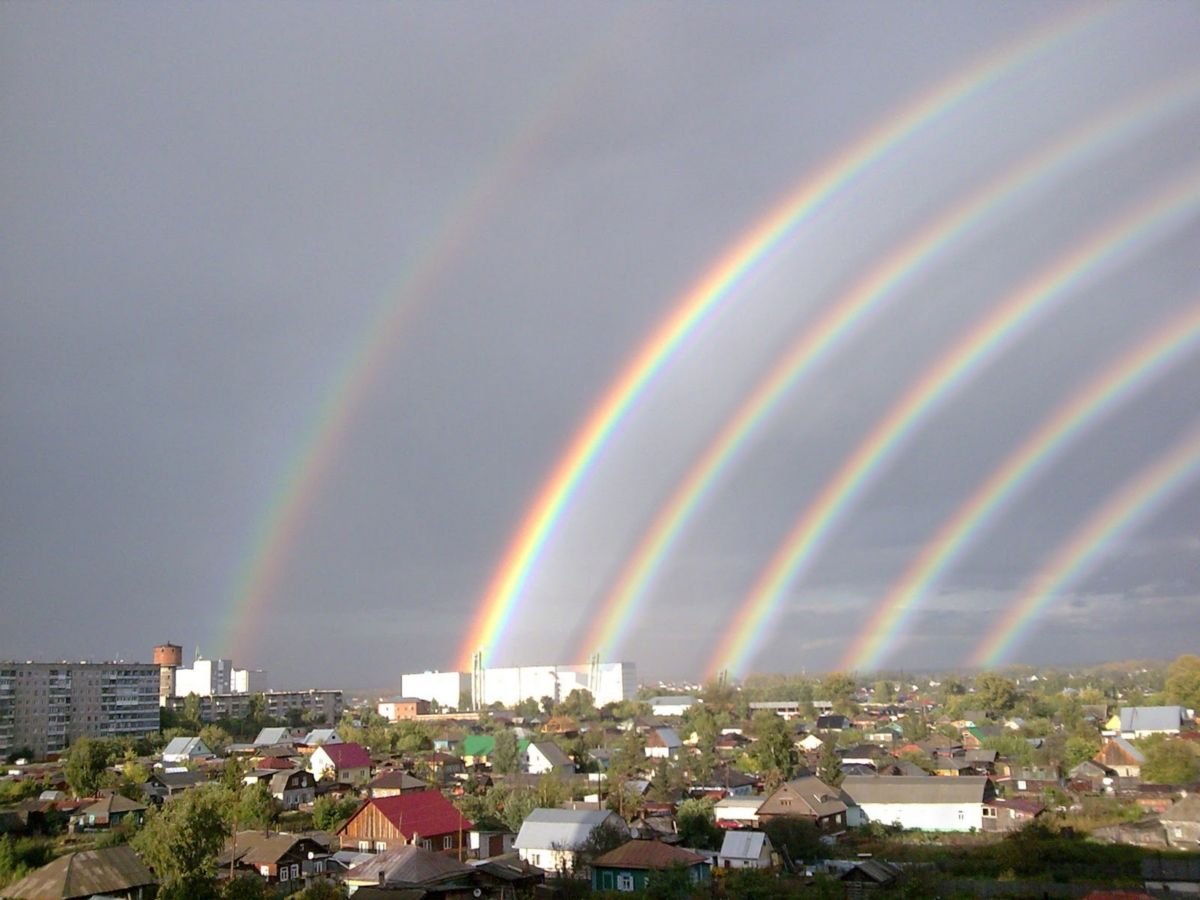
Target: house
<point x="293" y="787"/>
<point x="833" y="722"/>
<point x="929" y="804"/>
<point x="411" y="867"/>
<point x="269" y="737"/>
<point x="745" y="850"/>
<point x="185" y="749"/>
<point x="490" y="838"/>
<point x="110" y="872"/>
<point x="868" y="876"/>
<point x="1010" y="814"/>
<point x="805" y="798"/>
<point x="406" y="708"/>
<point x="320" y="736"/>
<point x="478" y="748"/>
<point x="445" y="766"/>
<point x="549" y="838"/>
<point x="629" y="867"/>
<point x="663" y="743"/>
<point x="275" y="856"/>
<point x="671" y="706"/>
<point x="810" y="743"/>
<point x="1121" y="757"/>
<point x="1182" y="823"/>
<point x="542" y="757"/>
<point x="109" y="812"/>
<point x="737" y="812"/>
<point x="165" y="785"/>
<point x="341" y="762"/>
<point x="425" y="818"/>
<point x="723" y="782"/>
<point x="394" y="782"/>
<point x="1140" y="721"/>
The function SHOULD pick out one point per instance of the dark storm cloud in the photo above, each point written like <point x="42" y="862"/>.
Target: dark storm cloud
<point x="206" y="208"/>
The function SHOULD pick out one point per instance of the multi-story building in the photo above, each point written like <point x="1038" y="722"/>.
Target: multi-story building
<point x="46" y="706"/>
<point x="323" y="705"/>
<point x="205" y="677"/>
<point x="606" y="682"/>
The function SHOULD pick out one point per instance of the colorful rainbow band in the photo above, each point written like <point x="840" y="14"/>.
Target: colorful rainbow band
<point x="851" y="311"/>
<point x="701" y="302"/>
<point x="938" y="383"/>
<point x="1102" y="394"/>
<point x="1119" y="516"/>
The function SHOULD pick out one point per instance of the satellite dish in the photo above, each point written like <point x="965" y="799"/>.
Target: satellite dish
<point x="478" y="892"/>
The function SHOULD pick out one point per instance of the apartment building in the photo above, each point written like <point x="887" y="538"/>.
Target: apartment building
<point x="46" y="706"/>
<point x="325" y="705"/>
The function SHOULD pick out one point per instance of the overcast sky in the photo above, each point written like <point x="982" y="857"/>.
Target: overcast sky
<point x="215" y="216"/>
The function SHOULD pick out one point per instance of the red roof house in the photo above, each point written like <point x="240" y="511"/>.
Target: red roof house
<point x="346" y="763"/>
<point x="425" y="818"/>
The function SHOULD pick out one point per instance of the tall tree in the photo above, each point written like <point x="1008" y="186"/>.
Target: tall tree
<point x="774" y="749"/>
<point x="505" y="753"/>
<point x="86" y="763"/>
<point x="1183" y="681"/>
<point x="829" y="768"/>
<point x="181" y="841"/>
<point x="995" y="693"/>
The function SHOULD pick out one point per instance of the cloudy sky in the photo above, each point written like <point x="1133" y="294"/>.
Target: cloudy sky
<point x="302" y="306"/>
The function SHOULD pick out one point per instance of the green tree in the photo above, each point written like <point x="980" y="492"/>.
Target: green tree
<point x="86" y="762"/>
<point x="191" y="712"/>
<point x="322" y="889"/>
<point x="215" y="738"/>
<point x="181" y="841"/>
<point x="245" y="887"/>
<point x="1169" y="762"/>
<point x="773" y="746"/>
<point x="829" y="766"/>
<point x="330" y="814"/>
<point x="579" y="705"/>
<point x="995" y="693"/>
<point x="797" y="837"/>
<point x="1183" y="681"/>
<point x="884" y="692"/>
<point x="1079" y="749"/>
<point x="505" y="753"/>
<point x="256" y="807"/>
<point x="697" y="825"/>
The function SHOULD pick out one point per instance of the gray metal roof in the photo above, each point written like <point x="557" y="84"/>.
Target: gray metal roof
<point x="743" y="844"/>
<point x="84" y="874"/>
<point x="1151" y="718"/>
<point x="545" y="829"/>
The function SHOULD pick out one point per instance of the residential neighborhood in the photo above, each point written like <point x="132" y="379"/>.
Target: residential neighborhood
<point x="780" y="786"/>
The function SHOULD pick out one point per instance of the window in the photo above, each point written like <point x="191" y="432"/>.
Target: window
<point x="380" y="846"/>
<point x="295" y="870"/>
<point x="265" y="871"/>
<point x="535" y="859"/>
<point x="364" y="846"/>
<point x="283" y="873"/>
<point x="427" y="844"/>
<point x="448" y="842"/>
<point x="624" y="881"/>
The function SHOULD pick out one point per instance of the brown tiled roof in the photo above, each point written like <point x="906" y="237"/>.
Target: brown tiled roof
<point x="647" y="855"/>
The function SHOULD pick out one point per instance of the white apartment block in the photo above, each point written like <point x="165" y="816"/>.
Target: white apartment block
<point x="607" y="683"/>
<point x="205" y="677"/>
<point x="46" y="706"/>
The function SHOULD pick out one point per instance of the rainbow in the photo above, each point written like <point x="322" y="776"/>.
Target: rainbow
<point x="1121" y="514"/>
<point x="937" y="384"/>
<point x="300" y="479"/>
<point x="697" y="305"/>
<point x="1117" y="383"/>
<point x="849" y="312"/>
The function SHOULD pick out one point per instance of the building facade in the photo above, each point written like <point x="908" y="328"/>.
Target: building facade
<point x="326" y="705"/>
<point x="606" y="682"/>
<point x="46" y="706"/>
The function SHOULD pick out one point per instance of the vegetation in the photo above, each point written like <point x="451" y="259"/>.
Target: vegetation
<point x="20" y="856"/>
<point x="697" y="825"/>
<point x="181" y="841"/>
<point x="330" y="814"/>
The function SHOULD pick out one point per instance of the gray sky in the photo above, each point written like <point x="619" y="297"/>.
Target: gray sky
<point x="210" y="214"/>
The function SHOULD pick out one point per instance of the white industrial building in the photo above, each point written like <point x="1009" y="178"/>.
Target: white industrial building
<point x="607" y="683"/>
<point x="210" y="677"/>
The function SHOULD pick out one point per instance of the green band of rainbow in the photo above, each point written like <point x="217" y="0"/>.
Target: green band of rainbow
<point x="853" y="309"/>
<point x="1121" y="514"/>
<point x="295" y="491"/>
<point x="698" y="304"/>
<point x="936" y="385"/>
<point x="1102" y="394"/>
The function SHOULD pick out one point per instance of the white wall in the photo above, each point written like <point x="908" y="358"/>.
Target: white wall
<point x="443" y="687"/>
<point x="925" y="816"/>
